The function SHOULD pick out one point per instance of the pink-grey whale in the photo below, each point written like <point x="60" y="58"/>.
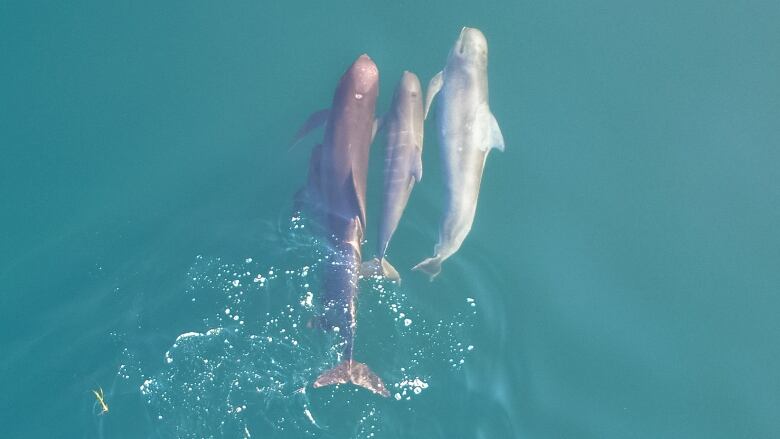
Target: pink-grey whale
<point x="336" y="191"/>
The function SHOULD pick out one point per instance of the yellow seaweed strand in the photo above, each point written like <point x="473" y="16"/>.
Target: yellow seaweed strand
<point x="100" y="398"/>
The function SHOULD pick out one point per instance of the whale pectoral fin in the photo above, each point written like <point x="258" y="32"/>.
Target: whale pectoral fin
<point x="434" y="86"/>
<point x="496" y="138"/>
<point x="360" y="203"/>
<point x="378" y="124"/>
<point x="315" y="120"/>
<point x="492" y="137"/>
<point x="417" y="170"/>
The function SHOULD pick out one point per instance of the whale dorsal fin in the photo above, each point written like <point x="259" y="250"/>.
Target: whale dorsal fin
<point x="491" y="134"/>
<point x="434" y="86"/>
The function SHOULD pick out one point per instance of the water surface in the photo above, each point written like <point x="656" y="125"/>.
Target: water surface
<point x="620" y="279"/>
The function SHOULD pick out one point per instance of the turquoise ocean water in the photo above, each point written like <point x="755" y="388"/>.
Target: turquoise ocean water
<point x="621" y="279"/>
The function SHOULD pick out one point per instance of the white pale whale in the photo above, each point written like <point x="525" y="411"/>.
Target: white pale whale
<point x="467" y="132"/>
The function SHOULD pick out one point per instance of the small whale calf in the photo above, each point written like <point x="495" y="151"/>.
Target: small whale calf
<point x="403" y="165"/>
<point x="335" y="192"/>
<point x="468" y="131"/>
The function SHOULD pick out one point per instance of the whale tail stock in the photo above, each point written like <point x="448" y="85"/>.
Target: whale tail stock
<point x="350" y="371"/>
<point x="430" y="266"/>
<point x="383" y="267"/>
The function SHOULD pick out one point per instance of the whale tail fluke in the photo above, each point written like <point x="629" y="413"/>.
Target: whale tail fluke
<point x="430" y="266"/>
<point x="351" y="371"/>
<point x="380" y="267"/>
